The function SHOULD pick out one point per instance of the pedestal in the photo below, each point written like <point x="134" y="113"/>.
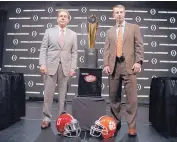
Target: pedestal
<point x="91" y="58"/>
<point x="87" y="110"/>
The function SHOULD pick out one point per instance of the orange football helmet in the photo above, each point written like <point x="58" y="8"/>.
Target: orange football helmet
<point x="105" y="126"/>
<point x="66" y="125"/>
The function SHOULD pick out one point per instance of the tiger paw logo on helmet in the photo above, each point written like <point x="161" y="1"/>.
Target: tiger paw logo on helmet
<point x="105" y="126"/>
<point x="112" y="125"/>
<point x="67" y="126"/>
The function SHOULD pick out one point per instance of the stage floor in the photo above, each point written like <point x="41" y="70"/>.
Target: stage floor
<point x="28" y="128"/>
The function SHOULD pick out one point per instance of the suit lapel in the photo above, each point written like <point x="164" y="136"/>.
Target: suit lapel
<point x="125" y="31"/>
<point x="66" y="37"/>
<point x="114" y="34"/>
<point x="57" y="35"/>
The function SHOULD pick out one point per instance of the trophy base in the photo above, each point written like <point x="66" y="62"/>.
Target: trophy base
<point x="91" y="58"/>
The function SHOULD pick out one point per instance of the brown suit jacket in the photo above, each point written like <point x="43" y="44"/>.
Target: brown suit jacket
<point x="133" y="47"/>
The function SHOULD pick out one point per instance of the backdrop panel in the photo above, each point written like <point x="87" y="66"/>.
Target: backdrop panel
<point x="27" y="23"/>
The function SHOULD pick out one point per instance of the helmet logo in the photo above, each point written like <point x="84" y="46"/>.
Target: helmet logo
<point x="58" y="121"/>
<point x="112" y="125"/>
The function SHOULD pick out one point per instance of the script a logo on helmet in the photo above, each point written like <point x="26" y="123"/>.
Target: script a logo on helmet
<point x="58" y="121"/>
<point x="90" y="78"/>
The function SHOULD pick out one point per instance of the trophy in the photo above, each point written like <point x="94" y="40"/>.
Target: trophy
<point x="91" y="53"/>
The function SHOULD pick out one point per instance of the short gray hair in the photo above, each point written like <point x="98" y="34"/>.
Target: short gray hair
<point x="64" y="10"/>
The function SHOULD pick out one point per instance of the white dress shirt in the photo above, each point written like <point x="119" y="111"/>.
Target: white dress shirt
<point x="59" y="28"/>
<point x="117" y="29"/>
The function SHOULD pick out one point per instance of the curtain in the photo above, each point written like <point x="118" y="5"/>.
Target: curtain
<point x="3" y="21"/>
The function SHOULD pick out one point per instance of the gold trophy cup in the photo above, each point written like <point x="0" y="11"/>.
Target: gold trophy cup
<point x="92" y="27"/>
<point x="91" y="53"/>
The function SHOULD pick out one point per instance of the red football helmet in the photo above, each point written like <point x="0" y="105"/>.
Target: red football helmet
<point x="68" y="126"/>
<point x="105" y="126"/>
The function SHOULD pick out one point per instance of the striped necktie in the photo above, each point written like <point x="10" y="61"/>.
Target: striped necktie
<point x="61" y="38"/>
<point x="119" y="41"/>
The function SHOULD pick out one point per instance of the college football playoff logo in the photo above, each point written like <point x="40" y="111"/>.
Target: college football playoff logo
<point x="90" y="78"/>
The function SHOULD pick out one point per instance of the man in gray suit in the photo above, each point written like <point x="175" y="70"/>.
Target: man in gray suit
<point x="58" y="61"/>
<point x="123" y="56"/>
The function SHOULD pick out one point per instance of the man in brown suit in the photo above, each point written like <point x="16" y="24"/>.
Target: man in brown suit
<point x="123" y="57"/>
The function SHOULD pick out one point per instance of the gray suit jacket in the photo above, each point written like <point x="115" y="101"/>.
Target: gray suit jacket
<point x="51" y="53"/>
<point x="133" y="47"/>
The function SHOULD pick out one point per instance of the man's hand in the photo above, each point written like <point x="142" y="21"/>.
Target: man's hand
<point x="106" y="70"/>
<point x="136" y="67"/>
<point x="43" y="69"/>
<point x="72" y="73"/>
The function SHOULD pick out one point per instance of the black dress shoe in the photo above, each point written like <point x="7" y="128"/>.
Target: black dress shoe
<point x="118" y="126"/>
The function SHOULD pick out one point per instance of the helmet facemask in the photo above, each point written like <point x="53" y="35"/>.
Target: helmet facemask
<point x="72" y="129"/>
<point x="98" y="129"/>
